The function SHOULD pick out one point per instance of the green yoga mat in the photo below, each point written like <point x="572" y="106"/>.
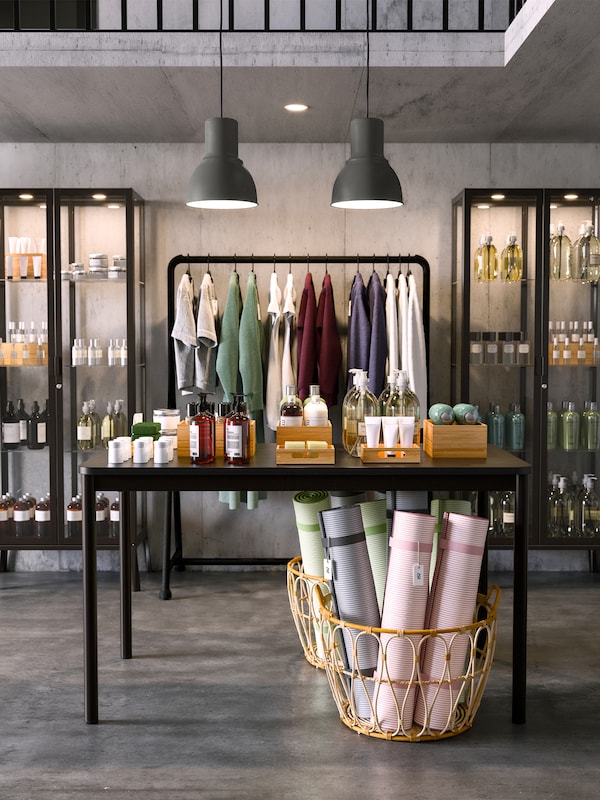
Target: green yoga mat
<point x="307" y="505"/>
<point x="374" y="519"/>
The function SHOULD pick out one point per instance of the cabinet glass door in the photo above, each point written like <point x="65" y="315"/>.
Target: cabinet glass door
<point x="570" y="510"/>
<point x="27" y="474"/>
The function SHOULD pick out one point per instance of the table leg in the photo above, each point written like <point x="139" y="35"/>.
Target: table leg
<point x="125" y="575"/>
<point x="90" y="602"/>
<point x="520" y="568"/>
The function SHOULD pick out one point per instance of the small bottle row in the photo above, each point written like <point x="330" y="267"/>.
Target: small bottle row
<point x="25" y="516"/>
<point x="107" y="516"/>
<point x="570" y="353"/>
<point x="92" y="353"/>
<point x="93" y="431"/>
<point x="20" y="429"/>
<point x="505" y="348"/>
<point x="568" y="429"/>
<point x="506" y="430"/>
<point x="578" y="260"/>
<point x="573" y="508"/>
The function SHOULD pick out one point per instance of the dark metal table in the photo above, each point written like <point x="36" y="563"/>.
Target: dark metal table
<point x="500" y="470"/>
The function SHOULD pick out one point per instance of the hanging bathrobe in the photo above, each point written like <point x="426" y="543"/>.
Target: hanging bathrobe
<point x="228" y="350"/>
<point x="329" y="348"/>
<point x="403" y="320"/>
<point x="378" y="349"/>
<point x="391" y="321"/>
<point x="288" y="373"/>
<point x="307" y="339"/>
<point x="206" y="329"/>
<point x="417" y="362"/>
<point x="359" y="329"/>
<point x="184" y="333"/>
<point x="273" y="388"/>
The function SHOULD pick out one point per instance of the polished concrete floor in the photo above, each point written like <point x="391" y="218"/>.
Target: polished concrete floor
<point x="219" y="702"/>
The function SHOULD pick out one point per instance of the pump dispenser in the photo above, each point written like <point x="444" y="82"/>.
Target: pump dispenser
<point x="403" y="402"/>
<point x="358" y="403"/>
<point x="586" y="252"/>
<point x="202" y="433"/>
<point x="237" y="428"/>
<point x="560" y="255"/>
<point x="511" y="260"/>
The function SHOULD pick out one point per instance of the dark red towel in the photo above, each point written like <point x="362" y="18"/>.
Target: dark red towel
<point x="307" y="338"/>
<point x="329" y="347"/>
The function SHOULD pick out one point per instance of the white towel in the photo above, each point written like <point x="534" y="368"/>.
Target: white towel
<point x="391" y="321"/>
<point x="206" y="330"/>
<point x="417" y="361"/>
<point x="288" y="373"/>
<point x="184" y="333"/>
<point x="273" y="390"/>
<point x="403" y="321"/>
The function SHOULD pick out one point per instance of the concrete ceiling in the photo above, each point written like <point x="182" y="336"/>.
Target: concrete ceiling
<point x="536" y="84"/>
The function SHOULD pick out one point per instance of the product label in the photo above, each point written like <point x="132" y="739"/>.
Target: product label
<point x="41" y="432"/>
<point x="100" y="515"/>
<point x="194" y="441"/>
<point x="418" y="575"/>
<point x="114" y="515"/>
<point x="508" y="517"/>
<point x="3" y="514"/>
<point x="22" y="515"/>
<point x="84" y="434"/>
<point x="42" y="515"/>
<point x="11" y="432"/>
<point x="74" y="515"/>
<point x="233" y="441"/>
<point x="362" y="428"/>
<point x="23" y="428"/>
<point x="289" y="422"/>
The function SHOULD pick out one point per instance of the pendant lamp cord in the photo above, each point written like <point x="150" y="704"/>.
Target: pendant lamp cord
<point x="368" y="57"/>
<point x="221" y="55"/>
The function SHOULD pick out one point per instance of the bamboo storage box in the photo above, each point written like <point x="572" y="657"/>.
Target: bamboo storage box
<point x="390" y="455"/>
<point x="303" y="434"/>
<point x="455" y="441"/>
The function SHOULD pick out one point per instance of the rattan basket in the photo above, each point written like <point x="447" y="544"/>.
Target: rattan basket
<point x="459" y="695"/>
<point x="304" y="605"/>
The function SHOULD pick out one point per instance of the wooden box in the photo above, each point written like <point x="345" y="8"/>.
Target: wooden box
<point x="390" y="455"/>
<point x="12" y="266"/>
<point x="304" y="456"/>
<point x="454" y="441"/>
<point x="304" y="433"/>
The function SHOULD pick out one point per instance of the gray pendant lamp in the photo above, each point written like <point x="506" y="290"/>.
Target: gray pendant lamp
<point x="367" y="180"/>
<point x="221" y="180"/>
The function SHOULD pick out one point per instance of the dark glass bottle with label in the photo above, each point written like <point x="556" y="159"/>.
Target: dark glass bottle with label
<point x="36" y="429"/>
<point x="202" y="434"/>
<point x="74" y="519"/>
<point x="237" y="428"/>
<point x="115" y="517"/>
<point x="23" y="418"/>
<point x="11" y="432"/>
<point x="102" y="521"/>
<point x="42" y="521"/>
<point x="290" y="410"/>
<point x="22" y="518"/>
<point x="5" y="521"/>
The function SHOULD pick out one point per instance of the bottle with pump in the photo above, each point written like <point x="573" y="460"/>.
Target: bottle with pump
<point x="566" y="509"/>
<point x="315" y="408"/>
<point x="570" y="422"/>
<point x="84" y="428"/>
<point x="586" y="255"/>
<point x="237" y="429"/>
<point x="590" y="426"/>
<point x="108" y="426"/>
<point x="486" y="263"/>
<point x="511" y="260"/>
<point x="120" y="420"/>
<point x="102" y="521"/>
<point x="36" y="429"/>
<point x="589" y="509"/>
<point x="290" y="409"/>
<point x="202" y="433"/>
<point x="11" y="429"/>
<point x="515" y="428"/>
<point x="358" y="403"/>
<point x="96" y="423"/>
<point x="23" y="418"/>
<point x="560" y="255"/>
<point x="403" y="402"/>
<point x="389" y="389"/>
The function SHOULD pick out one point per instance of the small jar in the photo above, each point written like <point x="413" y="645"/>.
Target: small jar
<point x="490" y="346"/>
<point x="476" y="348"/>
<point x="523" y="349"/>
<point x="507" y="344"/>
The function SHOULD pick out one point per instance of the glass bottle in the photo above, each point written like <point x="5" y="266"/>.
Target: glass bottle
<point x="507" y="508"/>
<point x="551" y="427"/>
<point x="36" y="429"/>
<point x="478" y="261"/>
<point x="567" y="353"/>
<point x="403" y="402"/>
<point x="560" y="255"/>
<point x="590" y="426"/>
<point x="475" y="349"/>
<point x="123" y="353"/>
<point x="315" y="408"/>
<point x="22" y="518"/>
<point x="101" y="516"/>
<point x="489" y="259"/>
<point x="84" y="428"/>
<point x="120" y="419"/>
<point x="74" y="526"/>
<point x="115" y="516"/>
<point x="96" y="423"/>
<point x="570" y="428"/>
<point x="495" y="425"/>
<point x="566" y="509"/>
<point x="291" y="412"/>
<point x="23" y="418"/>
<point x="553" y="513"/>
<point x="490" y="347"/>
<point x="202" y="434"/>
<point x="94" y="354"/>
<point x="507" y="344"/>
<point x="358" y="403"/>
<point x="107" y="428"/>
<point x="589" y="509"/>
<point x="494" y="514"/>
<point x="581" y="353"/>
<point x="523" y="349"/>
<point x="511" y="260"/>
<point x="388" y="390"/>
<point x="45" y="416"/>
<point x="112" y="353"/>
<point x="515" y="428"/>
<point x="42" y="518"/>
<point x="11" y="429"/>
<point x="237" y="429"/>
<point x="4" y="517"/>
<point x="587" y="256"/>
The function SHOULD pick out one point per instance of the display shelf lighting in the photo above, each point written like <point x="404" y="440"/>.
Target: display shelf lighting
<point x="571" y="196"/>
<point x="296" y="108"/>
<point x="99" y="196"/>
<point x="25" y="196"/>
<point x="498" y="196"/>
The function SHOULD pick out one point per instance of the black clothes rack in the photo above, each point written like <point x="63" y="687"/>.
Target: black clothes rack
<point x="172" y="523"/>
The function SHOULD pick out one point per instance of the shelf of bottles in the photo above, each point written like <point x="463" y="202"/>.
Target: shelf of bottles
<point x="570" y="460"/>
<point x="26" y="476"/>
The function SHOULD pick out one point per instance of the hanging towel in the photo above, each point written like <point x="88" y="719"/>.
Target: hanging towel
<point x="329" y="347"/>
<point x="391" y="320"/>
<point x="251" y="348"/>
<point x="417" y="361"/>
<point x="228" y="350"/>
<point x="184" y="333"/>
<point x="359" y="328"/>
<point x="403" y="321"/>
<point x="206" y="329"/>
<point x="307" y="338"/>
<point x="288" y="372"/>
<point x="274" y="389"/>
<point x="378" y="348"/>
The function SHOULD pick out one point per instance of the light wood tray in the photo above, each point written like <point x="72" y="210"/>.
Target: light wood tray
<point x="390" y="455"/>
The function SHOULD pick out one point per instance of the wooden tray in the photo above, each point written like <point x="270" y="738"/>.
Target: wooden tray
<point x="390" y="455"/>
<point x="304" y="433"/>
<point x="305" y="457"/>
<point x="454" y="441"/>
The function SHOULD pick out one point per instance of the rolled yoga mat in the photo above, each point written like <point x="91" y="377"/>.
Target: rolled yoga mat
<point x="374" y="519"/>
<point x="438" y="507"/>
<point x="405" y="603"/>
<point x="340" y="499"/>
<point x="306" y="509"/>
<point x="451" y="604"/>
<point x="353" y="594"/>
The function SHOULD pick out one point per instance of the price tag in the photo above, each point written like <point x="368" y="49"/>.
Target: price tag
<point x="327" y="569"/>
<point x="418" y="575"/>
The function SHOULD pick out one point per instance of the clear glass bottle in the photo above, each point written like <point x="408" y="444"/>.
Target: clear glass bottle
<point x="84" y="428"/>
<point x="560" y="255"/>
<point x="515" y="428"/>
<point x="237" y="429"/>
<point x="523" y="349"/>
<point x="42" y="518"/>
<point x="403" y="402"/>
<point x="507" y="508"/>
<point x="23" y="418"/>
<point x="567" y="353"/>
<point x="11" y="429"/>
<point x="489" y="259"/>
<point x="388" y="390"/>
<point x="511" y="260"/>
<point x="589" y="509"/>
<point x="586" y="255"/>
<point x="202" y="434"/>
<point x="358" y="403"/>
<point x="590" y="426"/>
<point x="291" y="412"/>
<point x="123" y="353"/>
<point x="96" y="423"/>
<point x="74" y="525"/>
<point x="476" y="352"/>
<point x="315" y="408"/>
<point x="581" y="352"/>
<point x="107" y="428"/>
<point x="495" y="425"/>
<point x="36" y="429"/>
<point x="494" y="514"/>
<point x="570" y="428"/>
<point x="551" y="427"/>
<point x="566" y="505"/>
<point x="120" y="425"/>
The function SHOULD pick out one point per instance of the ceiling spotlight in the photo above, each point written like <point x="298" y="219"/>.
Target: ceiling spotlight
<point x="25" y="196"/>
<point x="571" y="196"/>
<point x="99" y="196"/>
<point x="296" y="108"/>
<point x="498" y="196"/>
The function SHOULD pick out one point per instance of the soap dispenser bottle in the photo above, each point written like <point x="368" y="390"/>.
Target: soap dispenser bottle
<point x="202" y="434"/>
<point x="358" y="403"/>
<point x="237" y="428"/>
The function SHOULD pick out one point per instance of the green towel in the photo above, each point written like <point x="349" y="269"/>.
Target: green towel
<point x="251" y="348"/>
<point x="228" y="351"/>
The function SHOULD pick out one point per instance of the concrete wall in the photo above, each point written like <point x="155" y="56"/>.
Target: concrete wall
<point x="294" y="185"/>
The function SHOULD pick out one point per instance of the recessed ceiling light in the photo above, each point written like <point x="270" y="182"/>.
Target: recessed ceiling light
<point x="498" y="196"/>
<point x="483" y="206"/>
<point x="99" y="196"/>
<point x="296" y="108"/>
<point x="26" y="196"/>
<point x="571" y="196"/>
